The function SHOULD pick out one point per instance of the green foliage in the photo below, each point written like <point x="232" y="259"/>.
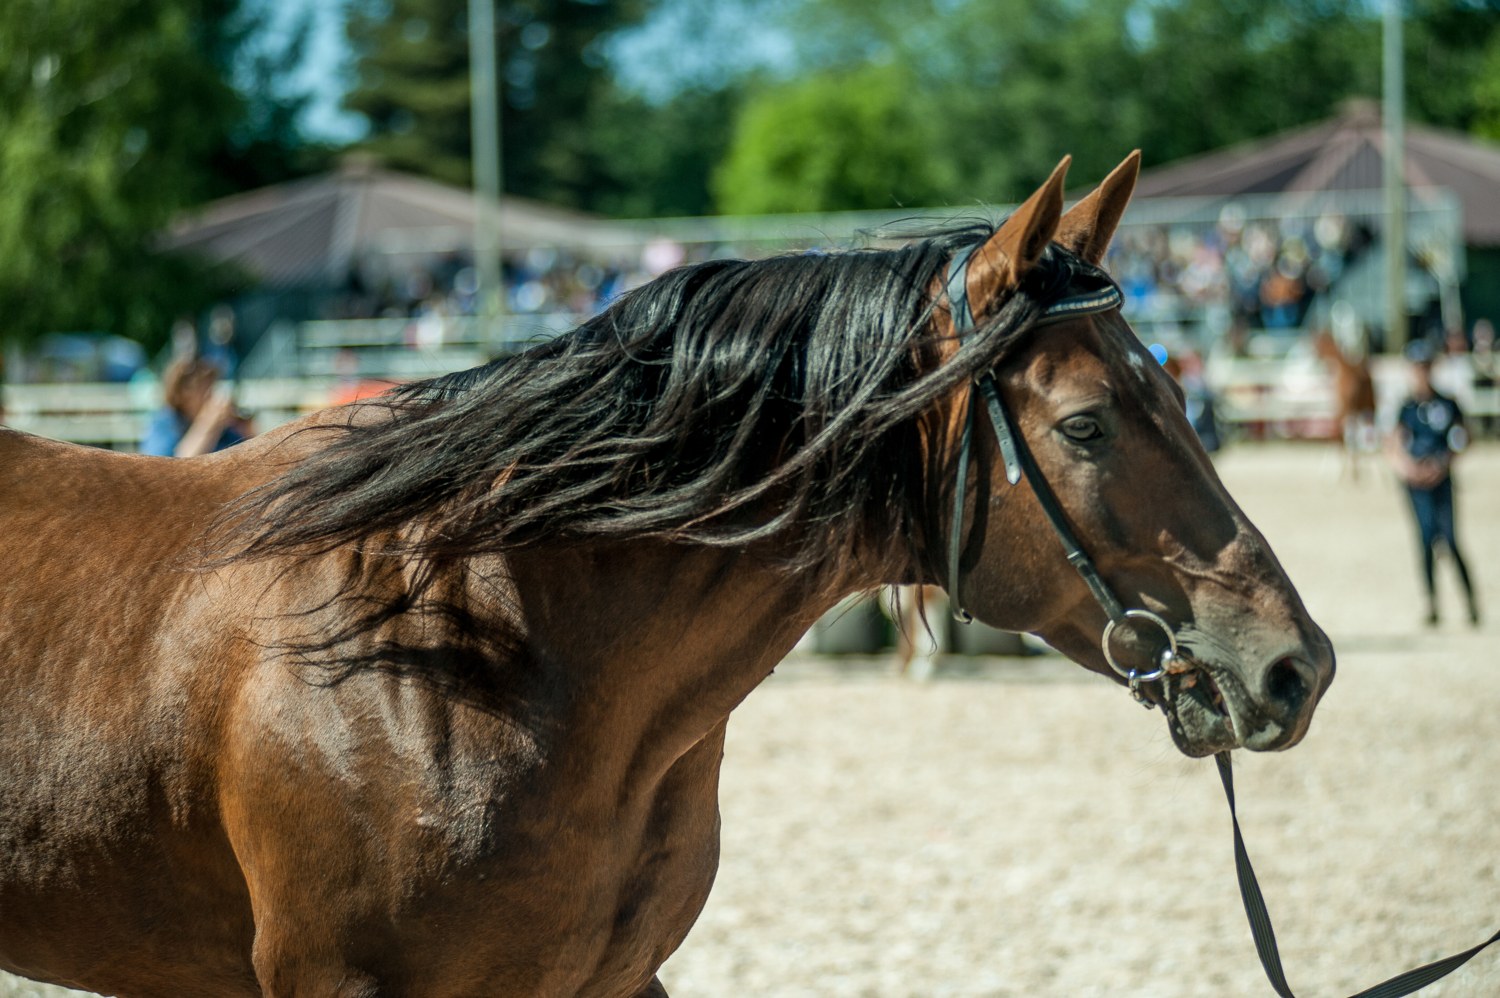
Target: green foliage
<point x="108" y="113"/>
<point x="837" y="140"/>
<point x="1218" y="73"/>
<point x="413" y="86"/>
<point x="1447" y="49"/>
<point x="1004" y="87"/>
<point x="1485" y="91"/>
<point x="993" y="93"/>
<point x="655" y="160"/>
<point x="264" y="144"/>
<point x="117" y="114"/>
<point x="114" y="116"/>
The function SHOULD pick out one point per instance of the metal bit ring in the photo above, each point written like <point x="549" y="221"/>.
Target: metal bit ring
<point x="1134" y="676"/>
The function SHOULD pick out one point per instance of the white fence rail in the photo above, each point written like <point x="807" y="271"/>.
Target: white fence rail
<point x="400" y="349"/>
<point x="1292" y="396"/>
<point x="115" y="415"/>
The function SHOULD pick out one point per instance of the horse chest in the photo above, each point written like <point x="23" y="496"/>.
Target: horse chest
<point x="459" y="854"/>
<point x="609" y="898"/>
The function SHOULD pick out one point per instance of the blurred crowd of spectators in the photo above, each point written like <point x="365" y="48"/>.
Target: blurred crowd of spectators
<point x="1235" y="276"/>
<point x="1255" y="273"/>
<point x="545" y="280"/>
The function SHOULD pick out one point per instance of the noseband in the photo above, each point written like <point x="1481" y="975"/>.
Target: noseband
<point x="1018" y="462"/>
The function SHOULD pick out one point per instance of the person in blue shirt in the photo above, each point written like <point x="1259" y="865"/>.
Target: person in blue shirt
<point x="1428" y="435"/>
<point x="195" y="419"/>
<point x="1186" y="368"/>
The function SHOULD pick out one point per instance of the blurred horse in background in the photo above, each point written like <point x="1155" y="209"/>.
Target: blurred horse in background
<point x="1354" y="392"/>
<point x="918" y="613"/>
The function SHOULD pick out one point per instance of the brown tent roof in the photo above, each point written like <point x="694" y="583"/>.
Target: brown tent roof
<point x="312" y="231"/>
<point x="1344" y="153"/>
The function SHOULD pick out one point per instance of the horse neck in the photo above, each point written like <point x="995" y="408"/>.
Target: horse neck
<point x="657" y="637"/>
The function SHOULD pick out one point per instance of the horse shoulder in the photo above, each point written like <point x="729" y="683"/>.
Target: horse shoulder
<point x="368" y="809"/>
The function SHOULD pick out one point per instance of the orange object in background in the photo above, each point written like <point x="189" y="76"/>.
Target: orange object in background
<point x="352" y="391"/>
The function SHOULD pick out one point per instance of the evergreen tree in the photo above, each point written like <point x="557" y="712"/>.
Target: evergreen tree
<point x="413" y="86"/>
<point x="265" y="144"/>
<point x="113" y="114"/>
<point x="657" y="159"/>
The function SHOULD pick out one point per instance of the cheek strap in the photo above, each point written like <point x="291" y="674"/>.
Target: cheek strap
<point x="1013" y="452"/>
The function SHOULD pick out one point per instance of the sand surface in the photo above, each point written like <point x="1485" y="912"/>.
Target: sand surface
<point x="1029" y="831"/>
<point x="973" y="837"/>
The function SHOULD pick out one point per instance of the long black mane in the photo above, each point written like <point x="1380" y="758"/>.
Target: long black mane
<point x="722" y="404"/>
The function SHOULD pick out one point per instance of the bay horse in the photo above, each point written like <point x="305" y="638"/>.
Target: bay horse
<point x="427" y="695"/>
<point x="1354" y="391"/>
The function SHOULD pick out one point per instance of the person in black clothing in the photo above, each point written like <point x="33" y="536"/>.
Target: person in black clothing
<point x="1429" y="433"/>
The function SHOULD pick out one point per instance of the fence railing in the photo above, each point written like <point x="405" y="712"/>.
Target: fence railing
<point x="115" y="415"/>
<point x="1289" y="396"/>
<point x="401" y="349"/>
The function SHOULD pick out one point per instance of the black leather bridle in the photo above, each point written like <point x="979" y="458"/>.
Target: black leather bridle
<point x="1102" y="296"/>
<point x="1105" y="295"/>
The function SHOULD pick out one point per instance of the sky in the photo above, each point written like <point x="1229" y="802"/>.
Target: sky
<point x="695" y="42"/>
<point x="326" y="71"/>
<point x="682" y="43"/>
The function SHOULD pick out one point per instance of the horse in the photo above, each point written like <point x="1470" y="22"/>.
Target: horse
<point x="1354" y="389"/>
<point x="427" y="695"/>
<point x="917" y="644"/>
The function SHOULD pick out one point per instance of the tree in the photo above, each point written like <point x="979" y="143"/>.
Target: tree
<point x="1217" y="73"/>
<point x="265" y="143"/>
<point x="1485" y="90"/>
<point x="656" y="159"/>
<point x="1451" y="51"/>
<point x="114" y="116"/>
<point x="836" y="140"/>
<point x="107" y="113"/>
<point x="413" y="86"/>
<point x="1004" y="88"/>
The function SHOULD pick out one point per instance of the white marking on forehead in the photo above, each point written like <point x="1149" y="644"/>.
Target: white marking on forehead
<point x="1138" y="365"/>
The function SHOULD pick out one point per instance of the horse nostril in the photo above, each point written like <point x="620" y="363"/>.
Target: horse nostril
<point x="1284" y="684"/>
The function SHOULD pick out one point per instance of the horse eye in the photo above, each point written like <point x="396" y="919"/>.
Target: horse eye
<point x="1082" y="428"/>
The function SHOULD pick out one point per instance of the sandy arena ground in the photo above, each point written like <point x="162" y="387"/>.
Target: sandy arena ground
<point x="1028" y="831"/>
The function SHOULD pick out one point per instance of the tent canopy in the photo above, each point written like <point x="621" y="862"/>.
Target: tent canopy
<point x="1344" y="153"/>
<point x="314" y="231"/>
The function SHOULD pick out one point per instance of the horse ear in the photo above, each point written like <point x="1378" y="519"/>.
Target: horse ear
<point x="1088" y="227"/>
<point x="1017" y="245"/>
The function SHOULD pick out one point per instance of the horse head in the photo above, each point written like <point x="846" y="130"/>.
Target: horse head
<point x="1104" y="430"/>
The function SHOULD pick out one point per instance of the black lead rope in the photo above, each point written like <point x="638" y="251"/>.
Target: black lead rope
<point x="1018" y="462"/>
<point x="1265" y="937"/>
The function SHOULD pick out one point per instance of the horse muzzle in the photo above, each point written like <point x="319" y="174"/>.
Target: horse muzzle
<point x="1211" y="708"/>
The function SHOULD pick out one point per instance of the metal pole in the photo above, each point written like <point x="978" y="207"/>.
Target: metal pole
<point x="484" y="112"/>
<point x="1394" y="114"/>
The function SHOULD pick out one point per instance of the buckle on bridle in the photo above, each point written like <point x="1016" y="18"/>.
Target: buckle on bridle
<point x="1135" y="677"/>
